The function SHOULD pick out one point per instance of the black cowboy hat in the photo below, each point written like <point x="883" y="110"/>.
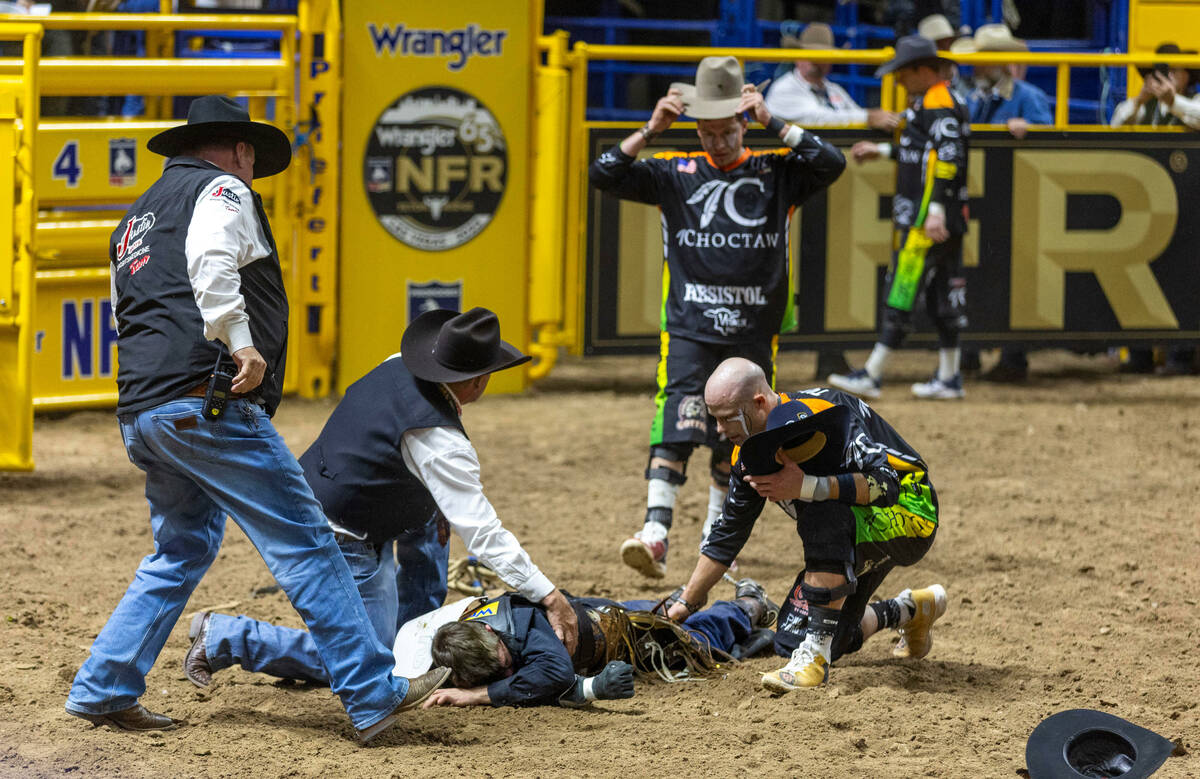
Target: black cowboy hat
<point x="910" y="50"/>
<point x="216" y="116"/>
<point x="444" y="345"/>
<point x="796" y="429"/>
<point x="1083" y="743"/>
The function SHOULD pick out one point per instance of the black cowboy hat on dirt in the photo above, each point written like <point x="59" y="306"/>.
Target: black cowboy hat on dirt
<point x="444" y="345"/>
<point x="216" y="116"/>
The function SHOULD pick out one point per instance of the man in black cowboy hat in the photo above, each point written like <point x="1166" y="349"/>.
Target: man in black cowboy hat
<point x="863" y="504"/>
<point x="727" y="280"/>
<point x="929" y="217"/>
<point x="393" y="463"/>
<point x="197" y="285"/>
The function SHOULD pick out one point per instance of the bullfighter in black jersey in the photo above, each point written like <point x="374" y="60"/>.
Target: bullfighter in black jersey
<point x="727" y="280"/>
<point x="929" y="216"/>
<point x="863" y="504"/>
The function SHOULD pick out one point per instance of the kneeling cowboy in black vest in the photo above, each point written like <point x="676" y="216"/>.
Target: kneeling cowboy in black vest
<point x="393" y="463"/>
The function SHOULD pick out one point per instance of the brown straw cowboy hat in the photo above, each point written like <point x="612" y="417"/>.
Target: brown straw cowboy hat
<point x="990" y="37"/>
<point x="216" y="116"/>
<point x="816" y="35"/>
<point x="717" y="91"/>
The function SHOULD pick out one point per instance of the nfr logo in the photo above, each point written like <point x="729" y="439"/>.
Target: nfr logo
<point x="82" y="322"/>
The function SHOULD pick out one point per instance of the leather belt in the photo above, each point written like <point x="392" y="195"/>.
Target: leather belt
<point x="201" y="390"/>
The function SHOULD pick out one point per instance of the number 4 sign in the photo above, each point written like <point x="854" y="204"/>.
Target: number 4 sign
<point x="66" y="164"/>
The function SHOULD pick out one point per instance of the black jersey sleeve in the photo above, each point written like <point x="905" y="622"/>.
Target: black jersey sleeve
<point x="946" y="127"/>
<point x="870" y="458"/>
<point x="616" y="173"/>
<point x="812" y="165"/>
<point x="732" y="529"/>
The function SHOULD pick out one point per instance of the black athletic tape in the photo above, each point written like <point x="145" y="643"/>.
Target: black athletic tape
<point x="847" y="489"/>
<point x="668" y="475"/>
<point x="775" y="125"/>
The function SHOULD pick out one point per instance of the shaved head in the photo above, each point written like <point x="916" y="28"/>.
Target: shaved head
<point x="739" y="397"/>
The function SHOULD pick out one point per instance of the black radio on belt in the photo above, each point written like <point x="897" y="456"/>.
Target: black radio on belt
<point x="220" y="386"/>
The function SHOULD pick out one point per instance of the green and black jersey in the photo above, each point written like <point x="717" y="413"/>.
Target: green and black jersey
<point x="726" y="276"/>
<point x="932" y="161"/>
<point x="902" y="501"/>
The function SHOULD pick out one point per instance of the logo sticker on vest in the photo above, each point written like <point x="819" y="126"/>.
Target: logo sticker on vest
<point x="432" y="295"/>
<point x="135" y="230"/>
<point x="435" y="168"/>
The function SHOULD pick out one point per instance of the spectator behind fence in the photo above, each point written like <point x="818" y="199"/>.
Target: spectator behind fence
<point x="937" y="28"/>
<point x="1167" y="99"/>
<point x="806" y="96"/>
<point x="999" y="97"/>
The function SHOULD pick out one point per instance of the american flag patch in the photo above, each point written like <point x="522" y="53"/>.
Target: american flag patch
<point x="686" y="167"/>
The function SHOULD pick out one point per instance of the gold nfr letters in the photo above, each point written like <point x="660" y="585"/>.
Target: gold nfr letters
<point x="1044" y="250"/>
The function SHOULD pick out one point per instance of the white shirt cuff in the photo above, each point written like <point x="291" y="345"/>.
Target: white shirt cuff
<point x="239" y="336"/>
<point x="536" y="587"/>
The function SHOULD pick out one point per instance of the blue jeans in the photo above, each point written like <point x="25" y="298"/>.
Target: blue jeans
<point x="198" y="471"/>
<point x="392" y="593"/>
<point x="292" y="654"/>
<point x="421" y="564"/>
<point x="721" y="625"/>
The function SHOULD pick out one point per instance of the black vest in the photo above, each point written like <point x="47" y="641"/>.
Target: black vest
<point x="355" y="467"/>
<point x="161" y="348"/>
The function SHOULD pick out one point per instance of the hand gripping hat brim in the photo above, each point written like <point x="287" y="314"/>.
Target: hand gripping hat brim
<point x="444" y="345"/>
<point x="717" y="91"/>
<point x="910" y="50"/>
<point x="796" y="429"/>
<point x="1082" y="743"/>
<point x="217" y="116"/>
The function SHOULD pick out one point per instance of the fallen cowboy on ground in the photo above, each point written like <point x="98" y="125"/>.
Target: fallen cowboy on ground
<point x="503" y="651"/>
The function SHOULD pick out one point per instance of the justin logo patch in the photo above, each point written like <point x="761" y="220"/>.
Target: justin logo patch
<point x="226" y="194"/>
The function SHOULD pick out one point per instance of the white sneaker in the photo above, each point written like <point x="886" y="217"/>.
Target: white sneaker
<point x="856" y="383"/>
<point x="936" y="389"/>
<point x="809" y="667"/>
<point x="928" y="605"/>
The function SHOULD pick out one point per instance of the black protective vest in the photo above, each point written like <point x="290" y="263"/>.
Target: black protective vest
<point x="355" y="467"/>
<point x="161" y="348"/>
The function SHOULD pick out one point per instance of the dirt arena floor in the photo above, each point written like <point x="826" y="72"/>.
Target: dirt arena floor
<point x="1068" y="545"/>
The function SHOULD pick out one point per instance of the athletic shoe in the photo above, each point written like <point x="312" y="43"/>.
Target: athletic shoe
<point x="928" y="605"/>
<point x="809" y="667"/>
<point x="748" y="588"/>
<point x="856" y="383"/>
<point x="647" y="558"/>
<point x="936" y="389"/>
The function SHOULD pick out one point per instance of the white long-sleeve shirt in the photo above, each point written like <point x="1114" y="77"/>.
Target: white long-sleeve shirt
<point x="224" y="236"/>
<point x="793" y="98"/>
<point x="1186" y="109"/>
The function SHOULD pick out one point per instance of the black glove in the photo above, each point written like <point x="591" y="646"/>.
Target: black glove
<point x="614" y="682"/>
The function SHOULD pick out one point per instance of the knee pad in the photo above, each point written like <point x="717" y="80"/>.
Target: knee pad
<point x="897" y="325"/>
<point x="675" y="452"/>
<point x="722" y="453"/>
<point x="823" y="596"/>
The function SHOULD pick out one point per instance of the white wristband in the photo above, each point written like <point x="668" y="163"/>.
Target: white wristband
<point x="884" y="149"/>
<point x="588" y="694"/>
<point x="793" y="136"/>
<point x="808" y="488"/>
